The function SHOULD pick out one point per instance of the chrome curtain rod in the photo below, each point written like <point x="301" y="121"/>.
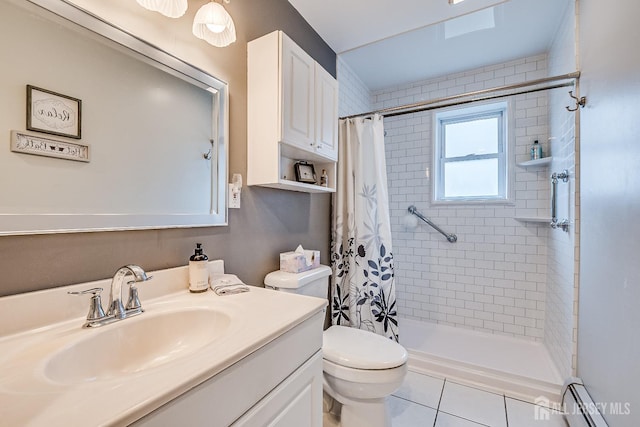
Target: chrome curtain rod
<point x="450" y="101"/>
<point x="452" y="238"/>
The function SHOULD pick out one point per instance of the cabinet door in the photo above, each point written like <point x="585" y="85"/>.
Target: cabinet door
<point x="297" y="402"/>
<point x="297" y="95"/>
<point x="326" y="113"/>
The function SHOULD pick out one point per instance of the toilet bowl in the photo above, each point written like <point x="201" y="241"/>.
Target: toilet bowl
<point x="360" y="368"/>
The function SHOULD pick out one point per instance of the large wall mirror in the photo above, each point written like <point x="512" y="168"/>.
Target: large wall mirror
<point x="148" y="147"/>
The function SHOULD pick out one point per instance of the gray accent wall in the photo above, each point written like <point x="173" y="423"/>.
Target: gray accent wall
<point x="609" y="300"/>
<point x="270" y="221"/>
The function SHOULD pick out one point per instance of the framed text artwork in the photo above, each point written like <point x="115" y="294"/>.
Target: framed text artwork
<point x="53" y="113"/>
<point x="31" y="143"/>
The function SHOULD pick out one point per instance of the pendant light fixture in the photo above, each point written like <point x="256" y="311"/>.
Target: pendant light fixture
<point x="214" y="25"/>
<point x="170" y="8"/>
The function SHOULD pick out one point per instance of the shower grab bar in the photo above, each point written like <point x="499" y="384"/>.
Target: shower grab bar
<point x="564" y="224"/>
<point x="450" y="237"/>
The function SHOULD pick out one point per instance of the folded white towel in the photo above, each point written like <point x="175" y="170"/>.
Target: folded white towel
<point x="227" y="284"/>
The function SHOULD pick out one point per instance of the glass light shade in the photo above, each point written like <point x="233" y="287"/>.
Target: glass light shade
<point x="170" y="8"/>
<point x="213" y="24"/>
<point x="216" y="28"/>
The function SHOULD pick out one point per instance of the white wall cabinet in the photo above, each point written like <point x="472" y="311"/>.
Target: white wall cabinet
<point x="326" y="103"/>
<point x="298" y="86"/>
<point x="292" y="115"/>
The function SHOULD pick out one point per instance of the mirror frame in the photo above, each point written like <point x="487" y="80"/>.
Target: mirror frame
<point x="23" y="224"/>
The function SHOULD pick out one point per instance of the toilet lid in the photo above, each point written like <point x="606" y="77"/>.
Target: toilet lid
<point x="355" y="348"/>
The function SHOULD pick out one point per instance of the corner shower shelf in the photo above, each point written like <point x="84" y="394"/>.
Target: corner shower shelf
<point x="537" y="163"/>
<point x="533" y="219"/>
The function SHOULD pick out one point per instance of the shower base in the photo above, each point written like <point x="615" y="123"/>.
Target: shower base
<point x="514" y="367"/>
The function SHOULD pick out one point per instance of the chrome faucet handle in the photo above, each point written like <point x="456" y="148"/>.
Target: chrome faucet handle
<point x="95" y="304"/>
<point x="133" y="302"/>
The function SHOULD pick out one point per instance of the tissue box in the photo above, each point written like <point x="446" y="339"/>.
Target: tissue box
<point x="296" y="262"/>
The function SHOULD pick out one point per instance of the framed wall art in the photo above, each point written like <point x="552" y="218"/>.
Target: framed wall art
<point x="30" y="143"/>
<point x="305" y="172"/>
<point x="53" y="113"/>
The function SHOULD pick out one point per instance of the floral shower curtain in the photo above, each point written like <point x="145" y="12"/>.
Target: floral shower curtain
<point x="362" y="283"/>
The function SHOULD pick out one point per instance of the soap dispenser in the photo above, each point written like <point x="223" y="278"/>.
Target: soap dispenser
<point x="198" y="271"/>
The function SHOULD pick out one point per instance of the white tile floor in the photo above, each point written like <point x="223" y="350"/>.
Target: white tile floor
<point x="424" y="401"/>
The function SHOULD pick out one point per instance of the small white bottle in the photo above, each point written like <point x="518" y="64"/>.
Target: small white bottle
<point x="198" y="271"/>
<point x="324" y="178"/>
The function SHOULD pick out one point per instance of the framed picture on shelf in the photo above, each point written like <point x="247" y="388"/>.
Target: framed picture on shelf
<point x="53" y="113"/>
<point x="305" y="172"/>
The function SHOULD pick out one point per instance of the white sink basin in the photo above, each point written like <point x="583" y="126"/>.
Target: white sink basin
<point x="136" y="344"/>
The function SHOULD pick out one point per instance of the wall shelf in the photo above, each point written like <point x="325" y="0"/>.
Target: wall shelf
<point x="285" y="184"/>
<point x="534" y="219"/>
<point x="537" y="163"/>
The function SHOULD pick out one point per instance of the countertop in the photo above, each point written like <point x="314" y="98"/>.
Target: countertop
<point x="30" y="398"/>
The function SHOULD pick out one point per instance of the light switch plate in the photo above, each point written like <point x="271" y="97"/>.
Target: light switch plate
<point x="234" y="197"/>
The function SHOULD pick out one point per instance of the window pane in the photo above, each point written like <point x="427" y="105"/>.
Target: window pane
<point x="473" y="178"/>
<point x="471" y="137"/>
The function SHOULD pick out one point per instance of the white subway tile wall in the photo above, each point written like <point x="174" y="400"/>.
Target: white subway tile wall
<point x="494" y="278"/>
<point x="503" y="275"/>
<point x="560" y="334"/>
<point x="353" y="96"/>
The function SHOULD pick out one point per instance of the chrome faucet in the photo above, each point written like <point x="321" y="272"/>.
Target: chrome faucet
<point x="116" y="311"/>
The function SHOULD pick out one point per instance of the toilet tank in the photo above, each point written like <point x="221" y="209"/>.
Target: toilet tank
<point x="313" y="282"/>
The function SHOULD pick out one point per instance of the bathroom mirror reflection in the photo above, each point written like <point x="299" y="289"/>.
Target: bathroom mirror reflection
<point x="155" y="127"/>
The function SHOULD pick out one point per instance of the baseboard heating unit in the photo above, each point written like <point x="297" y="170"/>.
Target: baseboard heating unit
<point x="580" y="409"/>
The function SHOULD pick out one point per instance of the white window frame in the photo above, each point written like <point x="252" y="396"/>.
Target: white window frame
<point x="442" y="118"/>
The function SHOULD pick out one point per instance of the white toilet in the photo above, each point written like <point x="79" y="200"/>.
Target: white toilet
<point x="360" y="368"/>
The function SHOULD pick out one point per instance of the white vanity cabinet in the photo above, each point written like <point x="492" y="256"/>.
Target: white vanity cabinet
<point x="278" y="385"/>
<point x="294" y="403"/>
<point x="292" y="115"/>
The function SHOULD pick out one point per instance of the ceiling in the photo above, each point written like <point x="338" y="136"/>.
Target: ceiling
<point x="388" y="43"/>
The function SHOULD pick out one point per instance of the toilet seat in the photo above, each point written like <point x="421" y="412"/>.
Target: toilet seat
<point x="358" y="349"/>
<point x="364" y="376"/>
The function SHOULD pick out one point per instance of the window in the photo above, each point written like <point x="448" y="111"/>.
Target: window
<point x="470" y="160"/>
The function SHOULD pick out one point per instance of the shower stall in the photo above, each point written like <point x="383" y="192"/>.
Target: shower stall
<point x="496" y="305"/>
<point x="484" y="306"/>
